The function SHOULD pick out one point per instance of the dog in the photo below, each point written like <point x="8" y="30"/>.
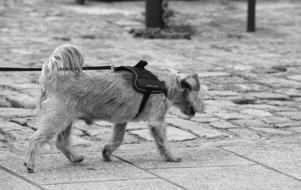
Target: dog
<point x="69" y="94"/>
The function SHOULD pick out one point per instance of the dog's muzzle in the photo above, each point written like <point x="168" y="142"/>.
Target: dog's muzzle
<point x="190" y="112"/>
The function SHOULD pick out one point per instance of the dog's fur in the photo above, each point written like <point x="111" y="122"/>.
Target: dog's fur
<point x="69" y="94"/>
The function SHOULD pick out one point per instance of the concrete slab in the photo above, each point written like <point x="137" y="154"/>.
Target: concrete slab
<point x="173" y="134"/>
<point x="9" y="182"/>
<point x="228" y="177"/>
<point x="285" y="157"/>
<point x="191" y="158"/>
<point x="55" y="168"/>
<point x="138" y="184"/>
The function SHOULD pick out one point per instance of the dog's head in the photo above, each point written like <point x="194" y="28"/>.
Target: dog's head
<point x="190" y="97"/>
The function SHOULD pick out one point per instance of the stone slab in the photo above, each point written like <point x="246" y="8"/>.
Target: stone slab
<point x="295" y="77"/>
<point x="270" y="96"/>
<point x="9" y="182"/>
<point x="213" y="74"/>
<point x="285" y="157"/>
<point x="137" y="184"/>
<point x="173" y="134"/>
<point x="233" y="116"/>
<point x="292" y="115"/>
<point x="250" y="123"/>
<point x="228" y="177"/>
<point x="55" y="168"/>
<point x="223" y="125"/>
<point x="191" y="158"/>
<point x="202" y="130"/>
<point x="256" y="113"/>
<point x="16" y="112"/>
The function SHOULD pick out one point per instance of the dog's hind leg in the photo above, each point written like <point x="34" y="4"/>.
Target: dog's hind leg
<point x="158" y="130"/>
<point x="115" y="141"/>
<point x="43" y="135"/>
<point x="53" y="120"/>
<point x="63" y="144"/>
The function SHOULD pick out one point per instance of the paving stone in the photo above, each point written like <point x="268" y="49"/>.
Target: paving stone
<point x="291" y="115"/>
<point x="233" y="116"/>
<point x="232" y="177"/>
<point x="296" y="129"/>
<point x="287" y="124"/>
<point x="197" y="157"/>
<point x="250" y="123"/>
<point x="201" y="130"/>
<point x="99" y="131"/>
<point x="245" y="133"/>
<point x="272" y="131"/>
<point x="280" y="82"/>
<point x="55" y="168"/>
<point x="292" y="92"/>
<point x="19" y="100"/>
<point x="213" y="74"/>
<point x="204" y="118"/>
<point x="147" y="184"/>
<point x="9" y="127"/>
<point x="223" y="125"/>
<point x="30" y="122"/>
<point x="295" y="77"/>
<point x="216" y="106"/>
<point x="175" y="111"/>
<point x="103" y="123"/>
<point x="137" y="125"/>
<point x="284" y="157"/>
<point x="269" y="96"/>
<point x="15" y="112"/>
<point x="280" y="122"/>
<point x="81" y="142"/>
<point x="265" y="107"/>
<point x="10" y="182"/>
<point x="256" y="113"/>
<point x="289" y="104"/>
<point x="173" y="134"/>
<point x="222" y="93"/>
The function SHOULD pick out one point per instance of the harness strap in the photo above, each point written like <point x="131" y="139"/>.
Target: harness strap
<point x="143" y="103"/>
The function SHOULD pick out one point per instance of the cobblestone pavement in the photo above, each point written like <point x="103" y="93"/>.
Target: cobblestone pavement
<point x="253" y="79"/>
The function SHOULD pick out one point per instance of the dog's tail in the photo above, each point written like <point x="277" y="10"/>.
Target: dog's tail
<point x="65" y="59"/>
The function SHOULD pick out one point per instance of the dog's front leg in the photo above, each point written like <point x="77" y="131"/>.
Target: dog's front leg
<point x="158" y="130"/>
<point x="115" y="141"/>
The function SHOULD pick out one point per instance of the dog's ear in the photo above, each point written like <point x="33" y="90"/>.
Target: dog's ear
<point x="190" y="82"/>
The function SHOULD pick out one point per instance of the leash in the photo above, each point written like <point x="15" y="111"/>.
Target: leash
<point x="20" y="69"/>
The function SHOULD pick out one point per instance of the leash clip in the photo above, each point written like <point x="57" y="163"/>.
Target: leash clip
<point x="113" y="68"/>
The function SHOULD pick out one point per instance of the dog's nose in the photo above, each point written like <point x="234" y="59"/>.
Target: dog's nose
<point x="192" y="111"/>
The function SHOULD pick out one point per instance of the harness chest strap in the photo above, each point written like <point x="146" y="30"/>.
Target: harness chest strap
<point x="144" y="82"/>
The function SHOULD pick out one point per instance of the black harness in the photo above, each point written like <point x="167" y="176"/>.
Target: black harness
<point x="144" y="82"/>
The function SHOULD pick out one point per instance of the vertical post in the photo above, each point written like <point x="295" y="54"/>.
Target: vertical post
<point x="251" y="16"/>
<point x="153" y="14"/>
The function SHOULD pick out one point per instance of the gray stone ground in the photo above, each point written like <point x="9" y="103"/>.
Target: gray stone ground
<point x="249" y="137"/>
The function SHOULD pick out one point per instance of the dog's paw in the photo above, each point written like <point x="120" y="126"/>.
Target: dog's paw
<point x="29" y="169"/>
<point x="106" y="154"/>
<point x="173" y="159"/>
<point x="77" y="159"/>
